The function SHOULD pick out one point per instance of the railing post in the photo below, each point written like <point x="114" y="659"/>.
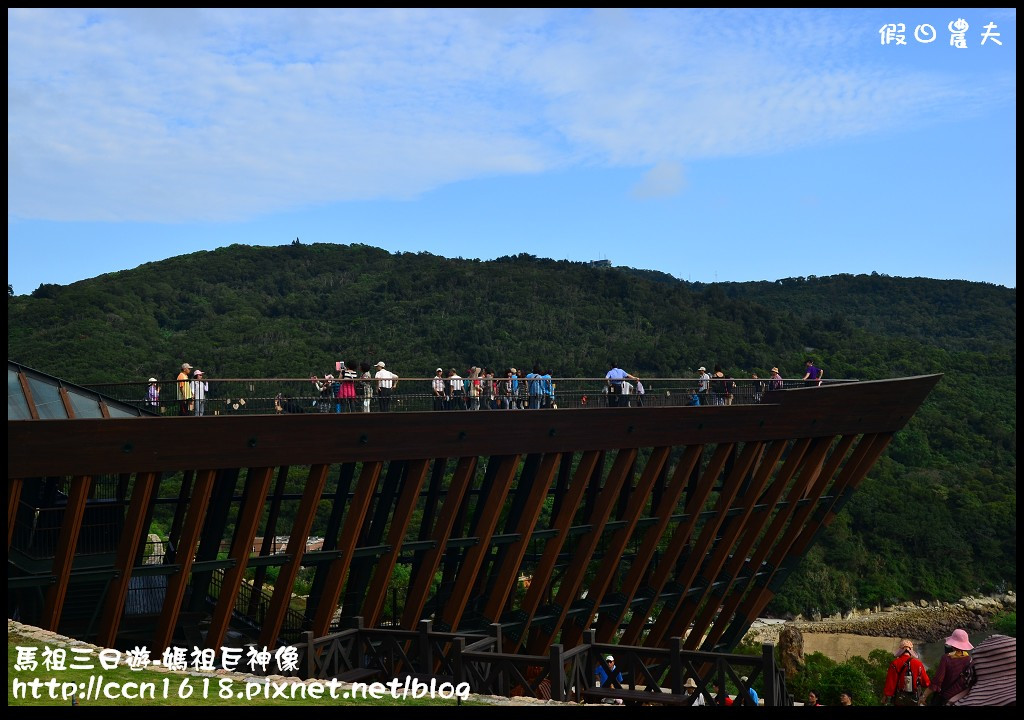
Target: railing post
<point x="461" y="673"/>
<point x="426" y="649"/>
<point x="590" y="657"/>
<point x="676" y="664"/>
<point x="310" y="664"/>
<point x="503" y="679"/>
<point x="768" y="668"/>
<point x="556" y="672"/>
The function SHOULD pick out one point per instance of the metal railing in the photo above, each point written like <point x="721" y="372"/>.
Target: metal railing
<point x="262" y="396"/>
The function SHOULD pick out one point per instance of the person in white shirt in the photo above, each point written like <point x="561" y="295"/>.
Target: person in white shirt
<point x="387" y="381"/>
<point x="438" y="385"/>
<point x="199" y="389"/>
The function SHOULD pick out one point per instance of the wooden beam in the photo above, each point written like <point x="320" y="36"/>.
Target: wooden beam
<point x="13" y="501"/>
<point x="505" y="575"/>
<point x="451" y="614"/>
<point x="64" y="554"/>
<point x="609" y="566"/>
<point x="257" y="485"/>
<point x="127" y="549"/>
<point x="285" y="583"/>
<point x="416" y="473"/>
<point x="183" y="557"/>
<point x="420" y="588"/>
<point x="351" y="528"/>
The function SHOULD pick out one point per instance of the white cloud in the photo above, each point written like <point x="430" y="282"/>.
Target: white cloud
<point x="176" y="115"/>
<point x="663" y="180"/>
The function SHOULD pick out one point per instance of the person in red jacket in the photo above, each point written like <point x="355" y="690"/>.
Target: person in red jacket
<point x="906" y="678"/>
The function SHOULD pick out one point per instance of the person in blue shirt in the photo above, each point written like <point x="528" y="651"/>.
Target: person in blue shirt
<point x="607" y="673"/>
<point x="614" y="378"/>
<point x="753" y="693"/>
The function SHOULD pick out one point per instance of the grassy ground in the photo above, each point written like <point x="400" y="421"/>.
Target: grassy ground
<point x="127" y="687"/>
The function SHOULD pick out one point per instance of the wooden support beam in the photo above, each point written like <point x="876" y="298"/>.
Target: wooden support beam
<point x="127" y="550"/>
<point x="680" y="538"/>
<point x="13" y="500"/>
<point x="609" y="566"/>
<point x="451" y="614"/>
<point x="64" y="555"/>
<point x="416" y="473"/>
<point x="351" y="528"/>
<point x="256" y="487"/>
<point x="542" y="574"/>
<point x="285" y="583"/>
<point x="698" y="553"/>
<point x="183" y="558"/>
<point x="505" y="575"/>
<point x="608" y="621"/>
<point x="585" y="547"/>
<point x="420" y="587"/>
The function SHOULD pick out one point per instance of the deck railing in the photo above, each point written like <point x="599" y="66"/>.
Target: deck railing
<point x="262" y="396"/>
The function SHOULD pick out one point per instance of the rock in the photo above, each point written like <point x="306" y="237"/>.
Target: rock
<point x="924" y="603"/>
<point x="791" y="651"/>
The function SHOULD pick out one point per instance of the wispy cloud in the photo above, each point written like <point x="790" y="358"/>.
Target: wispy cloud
<point x="176" y="115"/>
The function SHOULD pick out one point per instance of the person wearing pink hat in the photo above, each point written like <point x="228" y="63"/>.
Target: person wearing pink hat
<point x="954" y="676"/>
<point x="906" y="677"/>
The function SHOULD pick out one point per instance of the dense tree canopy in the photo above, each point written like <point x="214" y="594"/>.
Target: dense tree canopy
<point x="936" y="517"/>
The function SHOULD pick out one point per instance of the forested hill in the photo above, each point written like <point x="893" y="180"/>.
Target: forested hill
<point x="290" y="311"/>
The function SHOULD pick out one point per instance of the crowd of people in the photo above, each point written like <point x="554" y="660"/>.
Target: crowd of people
<point x="353" y="387"/>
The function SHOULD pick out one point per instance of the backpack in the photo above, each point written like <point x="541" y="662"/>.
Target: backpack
<point x="907" y="690"/>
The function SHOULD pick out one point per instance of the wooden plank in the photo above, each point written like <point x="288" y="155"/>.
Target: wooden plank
<point x="585" y="547"/>
<point x="608" y="621"/>
<point x="352" y="526"/>
<point x="505" y="575"/>
<point x="64" y="554"/>
<point x="700" y="549"/>
<point x="638" y="497"/>
<point x="13" y="501"/>
<point x="281" y="598"/>
<point x="680" y="539"/>
<point x="256" y="487"/>
<point x="451" y="613"/>
<point x="127" y="549"/>
<point x="420" y="588"/>
<point x="373" y="602"/>
<point x="183" y="558"/>
<point x="542" y="573"/>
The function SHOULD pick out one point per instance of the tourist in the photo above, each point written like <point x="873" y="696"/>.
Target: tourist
<point x="688" y="691"/>
<point x="813" y="374"/>
<point x="721" y="698"/>
<point x="812" y="698"/>
<point x="846" y="698"/>
<point x="776" y="380"/>
<point x="346" y="393"/>
<point x="607" y="674"/>
<point x="457" y="390"/>
<point x="184" y="390"/>
<point x="387" y="381"/>
<point x="199" y="389"/>
<point x="951" y="680"/>
<point x="906" y="677"/>
<point x="614" y="378"/>
<point x="153" y="395"/>
<point x="437" y="386"/>
<point x="750" y="690"/>
<point x="703" y="385"/>
<point x="366" y="383"/>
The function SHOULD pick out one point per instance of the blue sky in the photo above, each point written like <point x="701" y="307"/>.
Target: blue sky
<point x="714" y="145"/>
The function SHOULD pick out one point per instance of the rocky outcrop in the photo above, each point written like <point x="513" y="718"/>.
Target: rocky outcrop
<point x="791" y="651"/>
<point x="922" y="620"/>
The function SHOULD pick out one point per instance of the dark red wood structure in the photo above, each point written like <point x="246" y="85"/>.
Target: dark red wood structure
<point x="642" y="524"/>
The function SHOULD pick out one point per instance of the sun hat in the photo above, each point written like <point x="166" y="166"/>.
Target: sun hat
<point x="439" y="370"/>
<point x="906" y="644"/>
<point x="186" y="366"/>
<point x="609" y="658"/>
<point x="702" y="368"/>
<point x="198" y="372"/>
<point x="775" y="369"/>
<point x="380" y="364"/>
<point x="153" y="380"/>
<point x="690" y="683"/>
<point x="959" y="640"/>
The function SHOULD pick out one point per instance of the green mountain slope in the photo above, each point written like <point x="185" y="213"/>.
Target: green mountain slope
<point x="936" y="517"/>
